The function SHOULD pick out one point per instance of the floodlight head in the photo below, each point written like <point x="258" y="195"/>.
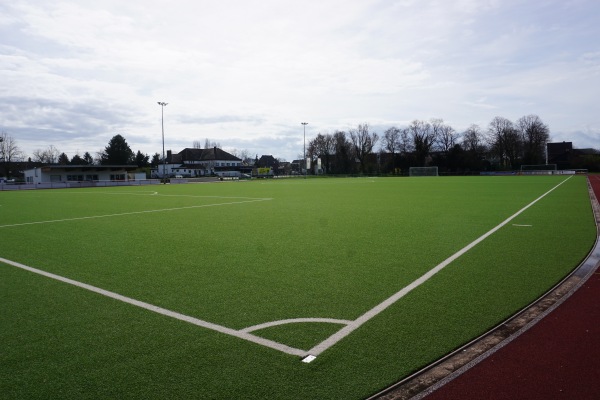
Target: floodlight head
<point x="162" y="103"/>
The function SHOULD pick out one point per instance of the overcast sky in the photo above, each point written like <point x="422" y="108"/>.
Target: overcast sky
<point x="246" y="73"/>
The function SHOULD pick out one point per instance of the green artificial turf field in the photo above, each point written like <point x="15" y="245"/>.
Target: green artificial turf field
<point x="241" y="254"/>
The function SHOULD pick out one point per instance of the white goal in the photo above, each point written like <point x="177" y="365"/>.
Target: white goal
<point x="423" y="171"/>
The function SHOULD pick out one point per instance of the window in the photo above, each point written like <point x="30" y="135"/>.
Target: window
<point x="117" y="177"/>
<point x="74" y="178"/>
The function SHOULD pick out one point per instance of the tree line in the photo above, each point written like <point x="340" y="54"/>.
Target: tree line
<point x="502" y="145"/>
<point x="117" y="152"/>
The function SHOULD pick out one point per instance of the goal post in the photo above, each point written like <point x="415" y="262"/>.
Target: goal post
<point x="423" y="171"/>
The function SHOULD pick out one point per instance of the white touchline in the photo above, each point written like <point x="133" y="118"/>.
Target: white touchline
<point x="205" y="324"/>
<point x="346" y="330"/>
<point x="132" y="213"/>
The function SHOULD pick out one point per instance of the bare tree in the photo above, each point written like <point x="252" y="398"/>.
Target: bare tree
<point x="197" y="144"/>
<point x="363" y="143"/>
<point x="344" y="159"/>
<point x="391" y="140"/>
<point x="474" y="144"/>
<point x="48" y="156"/>
<point x="445" y="136"/>
<point x="473" y="139"/>
<point x="505" y="141"/>
<point x="323" y="147"/>
<point x="423" y="137"/>
<point x="405" y="144"/>
<point x="9" y="152"/>
<point x="211" y="143"/>
<point x="246" y="157"/>
<point x="391" y="144"/>
<point x="534" y="134"/>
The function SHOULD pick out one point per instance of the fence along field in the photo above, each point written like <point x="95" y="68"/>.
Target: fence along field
<point x="240" y="255"/>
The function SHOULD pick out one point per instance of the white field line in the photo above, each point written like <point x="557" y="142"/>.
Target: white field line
<point x="345" y="331"/>
<point x="245" y="334"/>
<point x="295" y="321"/>
<point x="169" y="195"/>
<point x="205" y="324"/>
<point x="133" y="213"/>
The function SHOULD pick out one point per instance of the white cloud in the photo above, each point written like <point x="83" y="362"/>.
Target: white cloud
<point x="245" y="73"/>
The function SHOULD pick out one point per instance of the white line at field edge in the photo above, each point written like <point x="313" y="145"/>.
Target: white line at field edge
<point x="345" y="331"/>
<point x="205" y="324"/>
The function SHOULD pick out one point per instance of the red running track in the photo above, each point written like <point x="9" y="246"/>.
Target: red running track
<point x="557" y="358"/>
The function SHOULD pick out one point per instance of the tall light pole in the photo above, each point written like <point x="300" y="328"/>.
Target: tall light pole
<point x="305" y="166"/>
<point x="162" y="105"/>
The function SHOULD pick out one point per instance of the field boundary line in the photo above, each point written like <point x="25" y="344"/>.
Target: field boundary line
<point x="345" y="331"/>
<point x="133" y="213"/>
<point x="241" y="334"/>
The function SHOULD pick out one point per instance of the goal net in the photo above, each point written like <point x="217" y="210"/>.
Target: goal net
<point x="423" y="171"/>
<point x="538" y="169"/>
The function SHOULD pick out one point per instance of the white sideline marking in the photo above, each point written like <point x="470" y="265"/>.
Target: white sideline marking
<point x="521" y="225"/>
<point x="133" y="213"/>
<point x="205" y="324"/>
<point x="345" y="331"/>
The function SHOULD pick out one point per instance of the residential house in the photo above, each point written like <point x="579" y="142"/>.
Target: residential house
<point x="191" y="163"/>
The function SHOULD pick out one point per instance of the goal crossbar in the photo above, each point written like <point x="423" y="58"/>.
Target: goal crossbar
<point x="423" y="171"/>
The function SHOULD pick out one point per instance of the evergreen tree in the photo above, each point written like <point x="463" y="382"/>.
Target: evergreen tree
<point x="77" y="160"/>
<point x="63" y="159"/>
<point x="87" y="157"/>
<point x="155" y="160"/>
<point x="141" y="159"/>
<point x="117" y="152"/>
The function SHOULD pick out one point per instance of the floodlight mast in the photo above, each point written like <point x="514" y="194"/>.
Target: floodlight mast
<point x="162" y="105"/>
<point x="305" y="166"/>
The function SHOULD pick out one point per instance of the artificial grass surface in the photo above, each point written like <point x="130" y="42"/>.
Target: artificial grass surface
<point x="318" y="248"/>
